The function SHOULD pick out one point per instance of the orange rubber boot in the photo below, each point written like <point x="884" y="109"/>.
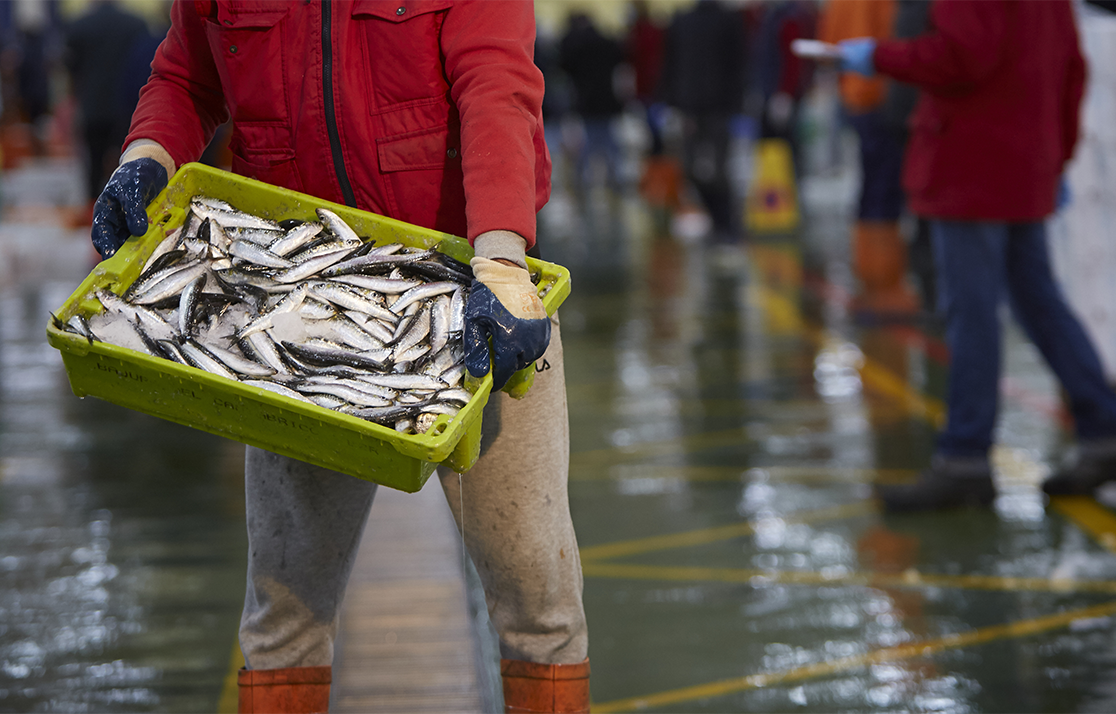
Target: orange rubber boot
<point x="551" y="688"/>
<point x="290" y="690"/>
<point x="880" y="262"/>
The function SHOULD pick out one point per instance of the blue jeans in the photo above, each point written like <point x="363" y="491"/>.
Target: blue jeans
<point x="975" y="262"/>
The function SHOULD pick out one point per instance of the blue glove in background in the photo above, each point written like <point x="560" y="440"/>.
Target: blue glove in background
<point x="516" y="342"/>
<point x="121" y="210"/>
<point x="1064" y="196"/>
<point x="856" y="56"/>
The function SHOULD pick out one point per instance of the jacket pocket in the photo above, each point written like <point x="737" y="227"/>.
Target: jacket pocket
<point x="423" y="178"/>
<point x="263" y="152"/>
<point x="248" y="47"/>
<point x="426" y="149"/>
<point x="402" y="50"/>
<point x="278" y="168"/>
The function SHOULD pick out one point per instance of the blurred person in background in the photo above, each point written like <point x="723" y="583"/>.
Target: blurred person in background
<point x="994" y="127"/>
<point x="35" y="40"/>
<point x="703" y="78"/>
<point x="590" y="61"/>
<point x="879" y="253"/>
<point x="644" y="52"/>
<point x="99" y="45"/>
<point x="783" y="77"/>
<point x="911" y="19"/>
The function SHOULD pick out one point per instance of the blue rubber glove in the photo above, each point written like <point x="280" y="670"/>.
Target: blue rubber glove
<point x="503" y="304"/>
<point x="1064" y="196"/>
<point x="856" y="56"/>
<point x="121" y="210"/>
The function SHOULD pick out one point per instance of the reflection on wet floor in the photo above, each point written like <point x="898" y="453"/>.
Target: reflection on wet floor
<point x="122" y="541"/>
<point x="728" y="420"/>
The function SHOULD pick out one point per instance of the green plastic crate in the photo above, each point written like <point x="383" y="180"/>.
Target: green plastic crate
<point x="256" y="416"/>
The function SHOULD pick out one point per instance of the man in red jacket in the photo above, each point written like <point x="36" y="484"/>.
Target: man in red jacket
<point x="428" y="111"/>
<point x="997" y="121"/>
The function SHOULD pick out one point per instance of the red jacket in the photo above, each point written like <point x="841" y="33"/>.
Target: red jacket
<point x="1002" y="83"/>
<point x="428" y="111"/>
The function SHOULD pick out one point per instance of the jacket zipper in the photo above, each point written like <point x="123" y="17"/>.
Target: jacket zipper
<point x="330" y="110"/>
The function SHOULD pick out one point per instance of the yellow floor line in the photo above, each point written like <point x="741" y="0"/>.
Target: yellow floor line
<point x="1089" y="516"/>
<point x="227" y="704"/>
<point x="908" y="579"/>
<point x="598" y="458"/>
<point x="718" y="533"/>
<point x="924" y="648"/>
<point x="738" y="473"/>
<point x="883" y="381"/>
<point x="873" y="375"/>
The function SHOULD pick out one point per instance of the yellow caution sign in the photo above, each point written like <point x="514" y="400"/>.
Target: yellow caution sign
<point x="771" y="205"/>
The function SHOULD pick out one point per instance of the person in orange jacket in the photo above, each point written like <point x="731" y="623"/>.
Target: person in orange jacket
<point x="879" y="251"/>
<point x="429" y="112"/>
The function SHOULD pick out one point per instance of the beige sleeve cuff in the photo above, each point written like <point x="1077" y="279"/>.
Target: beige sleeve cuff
<point x="147" y="148"/>
<point x="505" y="245"/>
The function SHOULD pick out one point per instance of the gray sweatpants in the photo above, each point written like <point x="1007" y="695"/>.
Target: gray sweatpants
<point x="305" y="522"/>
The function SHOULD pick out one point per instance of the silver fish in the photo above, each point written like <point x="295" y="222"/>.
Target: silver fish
<point x="440" y="323"/>
<point x="372" y="325"/>
<point x="454" y="395"/>
<point x="257" y="254"/>
<point x="417" y="330"/>
<point x="311" y="267"/>
<point x="457" y="310"/>
<point x="261" y="348"/>
<point x="387" y="286"/>
<point x="289" y="303"/>
<point x="405" y="381"/>
<point x="231" y="218"/>
<point x="240" y="364"/>
<point x="165" y="246"/>
<point x="295" y="238"/>
<point x="323" y="355"/>
<point x="337" y="226"/>
<point x="170" y="284"/>
<point x="173" y="352"/>
<point x="313" y="309"/>
<point x="384" y="415"/>
<point x="422" y="292"/>
<point x="201" y="358"/>
<point x="187" y="302"/>
<point x="347" y="298"/>
<point x="349" y="393"/>
<point x="453" y="376"/>
<point x="277" y="389"/>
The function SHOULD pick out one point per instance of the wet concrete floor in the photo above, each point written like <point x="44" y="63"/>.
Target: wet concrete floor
<point x="728" y="419"/>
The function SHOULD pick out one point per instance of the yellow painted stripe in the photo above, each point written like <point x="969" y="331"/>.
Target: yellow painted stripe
<point x="737" y="473"/>
<point x="883" y="381"/>
<point x="873" y="375"/>
<point x="1090" y="516"/>
<point x="908" y="579"/>
<point x="598" y="458"/>
<point x="227" y="704"/>
<point x="924" y="648"/>
<point x="718" y="533"/>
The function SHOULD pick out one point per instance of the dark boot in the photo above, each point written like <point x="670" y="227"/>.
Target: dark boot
<point x="290" y="690"/>
<point x="948" y="483"/>
<point x="551" y="688"/>
<point x="1095" y="464"/>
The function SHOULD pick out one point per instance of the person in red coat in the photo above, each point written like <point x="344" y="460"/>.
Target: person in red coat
<point x="996" y="123"/>
<point x="430" y="112"/>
